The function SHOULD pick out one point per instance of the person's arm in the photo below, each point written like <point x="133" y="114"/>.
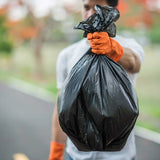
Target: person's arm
<point x="130" y="61"/>
<point x="101" y="43"/>
<point x="57" y="133"/>
<point x="58" y="138"/>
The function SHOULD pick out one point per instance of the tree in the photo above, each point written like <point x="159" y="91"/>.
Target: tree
<point x="33" y="29"/>
<point x="6" y="44"/>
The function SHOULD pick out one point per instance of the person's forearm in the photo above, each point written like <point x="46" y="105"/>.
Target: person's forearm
<point x="58" y="141"/>
<point x="57" y="134"/>
<point x="130" y="61"/>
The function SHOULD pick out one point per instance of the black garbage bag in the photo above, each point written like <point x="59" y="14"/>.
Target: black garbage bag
<point x="97" y="104"/>
<point x="102" y="20"/>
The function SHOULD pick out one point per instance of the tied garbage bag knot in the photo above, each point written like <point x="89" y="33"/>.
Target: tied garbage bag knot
<point x="102" y="20"/>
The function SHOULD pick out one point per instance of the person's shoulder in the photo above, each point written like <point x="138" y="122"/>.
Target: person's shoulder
<point x="127" y="41"/>
<point x="68" y="51"/>
<point x="132" y="44"/>
<point x="124" y="39"/>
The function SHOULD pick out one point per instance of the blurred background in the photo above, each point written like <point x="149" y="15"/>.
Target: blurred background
<point x="32" y="34"/>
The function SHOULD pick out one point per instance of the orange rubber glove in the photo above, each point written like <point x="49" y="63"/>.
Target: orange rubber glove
<point x="56" y="151"/>
<point x="101" y="43"/>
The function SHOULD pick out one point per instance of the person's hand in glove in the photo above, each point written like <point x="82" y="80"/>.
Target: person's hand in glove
<point x="56" y="151"/>
<point x="101" y="43"/>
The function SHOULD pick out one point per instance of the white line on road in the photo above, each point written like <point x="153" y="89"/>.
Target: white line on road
<point x="147" y="134"/>
<point x="32" y="90"/>
<point x="20" y="156"/>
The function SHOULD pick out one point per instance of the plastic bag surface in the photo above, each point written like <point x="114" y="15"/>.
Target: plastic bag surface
<point x="102" y="20"/>
<point x="97" y="104"/>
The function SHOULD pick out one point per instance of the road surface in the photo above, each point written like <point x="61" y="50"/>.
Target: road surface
<point x="25" y="127"/>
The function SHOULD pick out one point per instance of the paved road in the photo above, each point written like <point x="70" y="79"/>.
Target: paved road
<point x="25" y="125"/>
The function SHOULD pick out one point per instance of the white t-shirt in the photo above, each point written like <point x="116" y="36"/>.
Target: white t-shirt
<point x="66" y="60"/>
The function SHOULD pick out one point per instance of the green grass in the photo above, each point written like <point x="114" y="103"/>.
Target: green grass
<point x="3" y="75"/>
<point x="21" y="65"/>
<point x="148" y="90"/>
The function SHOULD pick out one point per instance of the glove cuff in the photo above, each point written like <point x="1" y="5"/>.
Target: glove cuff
<point x="56" y="151"/>
<point x="116" y="48"/>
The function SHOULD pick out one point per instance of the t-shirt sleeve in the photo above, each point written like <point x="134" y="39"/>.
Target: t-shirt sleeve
<point x="61" y="69"/>
<point x="133" y="45"/>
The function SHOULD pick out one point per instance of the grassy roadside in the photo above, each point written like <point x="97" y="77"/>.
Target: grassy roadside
<point x="21" y="65"/>
<point x="148" y="82"/>
<point x="148" y="90"/>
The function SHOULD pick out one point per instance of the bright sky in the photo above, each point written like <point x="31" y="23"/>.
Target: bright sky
<point x="44" y="3"/>
<point x="41" y="8"/>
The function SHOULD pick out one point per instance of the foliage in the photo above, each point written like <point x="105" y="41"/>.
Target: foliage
<point x="154" y="33"/>
<point x="6" y="44"/>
